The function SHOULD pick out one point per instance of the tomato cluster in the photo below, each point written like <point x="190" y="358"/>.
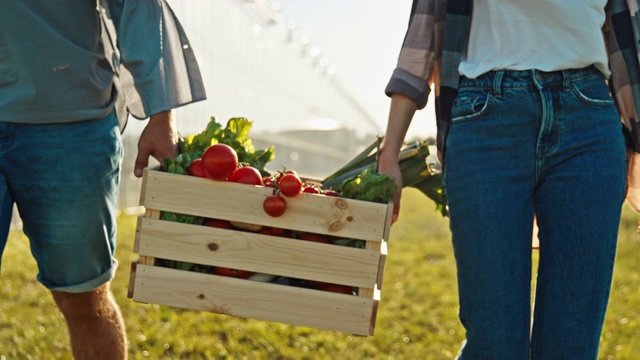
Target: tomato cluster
<point x="220" y="162"/>
<point x="289" y="184"/>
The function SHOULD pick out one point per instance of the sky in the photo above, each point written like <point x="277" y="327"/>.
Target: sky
<point x="361" y="39"/>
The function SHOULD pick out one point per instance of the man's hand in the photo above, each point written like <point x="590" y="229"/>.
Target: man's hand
<point x="158" y="139"/>
<point x="633" y="182"/>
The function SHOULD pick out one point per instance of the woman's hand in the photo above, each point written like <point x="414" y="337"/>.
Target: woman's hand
<point x="158" y="139"/>
<point x="388" y="164"/>
<point x="401" y="113"/>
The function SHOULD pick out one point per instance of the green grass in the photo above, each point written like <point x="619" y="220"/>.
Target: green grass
<point x="417" y="318"/>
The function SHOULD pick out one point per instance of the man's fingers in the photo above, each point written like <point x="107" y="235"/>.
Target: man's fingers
<point x="142" y="161"/>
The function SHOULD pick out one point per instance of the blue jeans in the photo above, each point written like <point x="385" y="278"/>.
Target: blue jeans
<point x="525" y="144"/>
<point x="64" y="180"/>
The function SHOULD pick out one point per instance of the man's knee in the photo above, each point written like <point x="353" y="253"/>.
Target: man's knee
<point x="90" y="303"/>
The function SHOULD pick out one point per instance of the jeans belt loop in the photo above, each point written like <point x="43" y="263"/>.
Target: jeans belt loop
<point x="497" y="83"/>
<point x="566" y="80"/>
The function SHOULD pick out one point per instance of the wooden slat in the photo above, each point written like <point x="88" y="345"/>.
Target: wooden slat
<point x="132" y="279"/>
<point x="259" y="253"/>
<point x="374" y="246"/>
<point x="346" y="218"/>
<point x="255" y="300"/>
<point x="382" y="263"/>
<point x="144" y="259"/>
<point x="387" y="222"/>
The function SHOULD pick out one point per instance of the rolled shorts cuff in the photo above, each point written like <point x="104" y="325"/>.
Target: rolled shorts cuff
<point x="86" y="286"/>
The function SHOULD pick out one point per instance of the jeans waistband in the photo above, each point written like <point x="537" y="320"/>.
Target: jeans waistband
<point x="499" y="79"/>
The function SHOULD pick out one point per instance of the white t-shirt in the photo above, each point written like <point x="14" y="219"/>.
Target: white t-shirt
<point x="546" y="35"/>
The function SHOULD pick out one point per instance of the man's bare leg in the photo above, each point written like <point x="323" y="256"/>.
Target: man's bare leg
<point x="96" y="327"/>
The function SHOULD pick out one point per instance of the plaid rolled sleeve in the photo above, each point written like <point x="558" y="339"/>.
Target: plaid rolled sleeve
<point x="420" y="53"/>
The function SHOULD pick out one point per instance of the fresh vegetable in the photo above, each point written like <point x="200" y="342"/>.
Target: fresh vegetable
<point x="315" y="238"/>
<point x="262" y="277"/>
<point x="181" y="265"/>
<point x="274" y="205"/>
<point x="290" y="184"/>
<point x="330" y="193"/>
<point x="183" y="218"/>
<point x="196" y="169"/>
<point x="350" y="243"/>
<point x="246" y="175"/>
<point x="219" y="161"/>
<point x="245" y="226"/>
<point x="223" y="271"/>
<point x="279" y="231"/>
<point x="268" y="181"/>
<point x="337" y="288"/>
<point x="309" y="189"/>
<point x="369" y="185"/>
<point x="222" y="224"/>
<point x="419" y="170"/>
<point x="274" y="231"/>
<point x="234" y="134"/>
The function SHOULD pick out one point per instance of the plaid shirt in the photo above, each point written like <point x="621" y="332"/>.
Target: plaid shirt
<point x="437" y="36"/>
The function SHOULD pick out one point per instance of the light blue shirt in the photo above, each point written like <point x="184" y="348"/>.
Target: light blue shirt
<point x="73" y="60"/>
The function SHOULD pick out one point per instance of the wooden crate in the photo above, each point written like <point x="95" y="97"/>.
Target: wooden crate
<point x="361" y="268"/>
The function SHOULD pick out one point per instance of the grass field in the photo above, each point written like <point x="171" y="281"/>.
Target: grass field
<point x="417" y="318"/>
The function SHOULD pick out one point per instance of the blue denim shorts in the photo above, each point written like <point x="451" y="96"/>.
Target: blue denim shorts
<point x="64" y="179"/>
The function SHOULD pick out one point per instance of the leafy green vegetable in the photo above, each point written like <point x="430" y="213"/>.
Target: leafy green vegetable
<point x="418" y="171"/>
<point x="350" y="242"/>
<point x="369" y="185"/>
<point x="183" y="218"/>
<point x="181" y="265"/>
<point x="234" y="134"/>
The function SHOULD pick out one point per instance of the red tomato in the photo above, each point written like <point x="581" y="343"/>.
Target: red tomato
<point x="310" y="190"/>
<point x="274" y="205"/>
<point x="196" y="169"/>
<point x="246" y="175"/>
<point x="268" y="230"/>
<point x="319" y="285"/>
<point x="337" y="288"/>
<point x="315" y="238"/>
<point x="222" y="224"/>
<point x="219" y="161"/>
<point x="267" y="181"/>
<point x="242" y="274"/>
<point x="290" y="185"/>
<point x="330" y="193"/>
<point x="289" y="171"/>
<point x="278" y="231"/>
